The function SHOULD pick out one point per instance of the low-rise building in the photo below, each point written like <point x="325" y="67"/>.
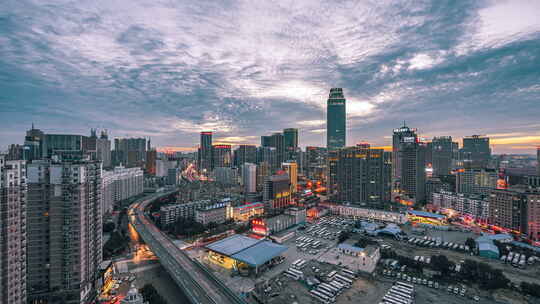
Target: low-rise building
<point x="244" y="213"/>
<point x="365" y="213"/>
<point x="171" y="213"/>
<point x="216" y="213"/>
<point x="272" y="225"/>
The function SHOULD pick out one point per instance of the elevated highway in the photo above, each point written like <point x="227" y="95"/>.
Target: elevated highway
<point x="198" y="283"/>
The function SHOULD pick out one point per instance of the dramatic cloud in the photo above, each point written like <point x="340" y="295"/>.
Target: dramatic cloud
<point x="169" y="69"/>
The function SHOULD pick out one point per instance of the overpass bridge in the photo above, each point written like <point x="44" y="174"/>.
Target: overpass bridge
<point x="198" y="283"/>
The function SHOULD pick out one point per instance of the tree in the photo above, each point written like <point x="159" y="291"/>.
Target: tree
<point x="150" y="294"/>
<point x="441" y="263"/>
<point x="108" y="227"/>
<point x="343" y="236"/>
<point x="530" y="289"/>
<point x="471" y="243"/>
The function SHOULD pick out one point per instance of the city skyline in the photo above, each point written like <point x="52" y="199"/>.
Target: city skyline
<point x="446" y="69"/>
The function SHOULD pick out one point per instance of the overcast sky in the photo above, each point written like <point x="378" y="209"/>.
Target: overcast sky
<point x="169" y="69"/>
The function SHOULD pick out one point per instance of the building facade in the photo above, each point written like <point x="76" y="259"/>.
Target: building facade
<point x="13" y="244"/>
<point x="221" y="156"/>
<point x="205" y="152"/>
<point x="442" y="151"/>
<point x="276" y="193"/>
<point x="121" y="184"/>
<point x="476" y="206"/>
<point x="412" y="180"/>
<point x="476" y="150"/>
<point x="359" y="174"/>
<point x="216" y="213"/>
<point x="249" y="177"/>
<point x="336" y="120"/>
<point x="476" y="180"/>
<point x="64" y="229"/>
<point x="292" y="170"/>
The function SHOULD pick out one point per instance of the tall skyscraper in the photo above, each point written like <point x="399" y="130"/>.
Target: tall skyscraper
<point x="249" y="177"/>
<point x="33" y="144"/>
<point x="360" y="172"/>
<point x="397" y="138"/>
<point x="205" y="152"/>
<point x="245" y="154"/>
<point x="538" y="160"/>
<point x="263" y="171"/>
<point x="266" y="141"/>
<point x="442" y="154"/>
<point x="103" y="149"/>
<point x="292" y="169"/>
<point x="387" y="176"/>
<point x="277" y="141"/>
<point x="290" y="142"/>
<point x="64" y="230"/>
<point x="476" y="150"/>
<point x="412" y="162"/>
<point x="130" y="152"/>
<point x="221" y="156"/>
<point x="13" y="271"/>
<point x="336" y="117"/>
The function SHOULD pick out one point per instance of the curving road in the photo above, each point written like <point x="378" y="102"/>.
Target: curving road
<point x="199" y="284"/>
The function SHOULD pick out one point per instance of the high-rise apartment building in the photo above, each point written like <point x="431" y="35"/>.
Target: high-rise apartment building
<point x="249" y="177"/>
<point x="15" y="152"/>
<point x="13" y="245"/>
<point x="205" y="152"/>
<point x="267" y="155"/>
<point x="292" y="170"/>
<point x="33" y="144"/>
<point x="397" y="139"/>
<point x="411" y="158"/>
<point x="130" y="152"/>
<point x="221" y="156"/>
<point x="103" y="149"/>
<point x="120" y="184"/>
<point x="336" y="120"/>
<point x="64" y="230"/>
<point x="476" y="180"/>
<point x="263" y="171"/>
<point x="277" y="141"/>
<point x="476" y="150"/>
<point x="332" y="172"/>
<point x="442" y="155"/>
<point x="290" y="142"/>
<point x="387" y="176"/>
<point x="315" y="162"/>
<point x="151" y="161"/>
<point x="508" y="209"/>
<point x="360" y="174"/>
<point x="245" y="154"/>
<point x="538" y="161"/>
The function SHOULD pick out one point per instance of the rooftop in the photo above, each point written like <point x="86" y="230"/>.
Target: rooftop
<point x="426" y="214"/>
<point x="233" y="244"/>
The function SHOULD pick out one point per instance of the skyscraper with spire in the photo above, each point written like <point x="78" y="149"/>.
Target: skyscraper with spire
<point x="336" y="126"/>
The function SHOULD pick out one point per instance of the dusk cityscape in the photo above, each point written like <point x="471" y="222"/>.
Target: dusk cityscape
<point x="244" y="152"/>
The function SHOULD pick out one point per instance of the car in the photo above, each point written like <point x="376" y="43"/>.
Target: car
<point x="436" y="285"/>
<point x="456" y="290"/>
<point x="476" y="298"/>
<point x="449" y="289"/>
<point x="462" y="292"/>
<point x="414" y="280"/>
<point x="430" y="283"/>
<point x="424" y="281"/>
<point x="408" y="279"/>
<point x="398" y="275"/>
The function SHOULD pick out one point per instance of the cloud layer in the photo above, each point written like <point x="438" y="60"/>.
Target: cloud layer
<point x="169" y="69"/>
